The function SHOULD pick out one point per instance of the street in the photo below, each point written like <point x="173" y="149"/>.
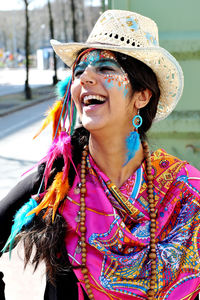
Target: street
<point x="18" y="153"/>
<point x="12" y="80"/>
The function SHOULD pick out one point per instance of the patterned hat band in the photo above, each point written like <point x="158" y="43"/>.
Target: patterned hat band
<point x="137" y="36"/>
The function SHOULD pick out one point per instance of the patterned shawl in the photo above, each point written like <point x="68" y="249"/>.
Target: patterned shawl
<point x="118" y="245"/>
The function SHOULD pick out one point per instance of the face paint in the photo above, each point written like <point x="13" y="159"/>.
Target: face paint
<point x="102" y="61"/>
<point x="119" y="81"/>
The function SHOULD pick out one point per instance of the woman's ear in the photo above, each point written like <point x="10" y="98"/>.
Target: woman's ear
<point x="142" y="98"/>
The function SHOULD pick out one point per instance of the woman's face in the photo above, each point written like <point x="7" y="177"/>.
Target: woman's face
<point x="101" y="91"/>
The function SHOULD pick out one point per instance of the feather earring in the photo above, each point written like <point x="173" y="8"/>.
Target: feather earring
<point x="133" y="140"/>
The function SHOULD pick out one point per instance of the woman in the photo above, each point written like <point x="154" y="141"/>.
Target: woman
<point x="112" y="220"/>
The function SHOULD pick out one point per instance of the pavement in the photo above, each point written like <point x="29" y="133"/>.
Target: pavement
<point x="12" y="96"/>
<point x="13" y="102"/>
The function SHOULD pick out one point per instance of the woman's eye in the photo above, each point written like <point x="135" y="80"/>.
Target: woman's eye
<point x="105" y="69"/>
<point x="77" y="73"/>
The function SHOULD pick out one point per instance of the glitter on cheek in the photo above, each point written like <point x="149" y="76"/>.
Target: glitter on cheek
<point x="119" y="81"/>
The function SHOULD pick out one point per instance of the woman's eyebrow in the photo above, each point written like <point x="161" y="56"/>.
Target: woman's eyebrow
<point x="108" y="60"/>
<point x="81" y="65"/>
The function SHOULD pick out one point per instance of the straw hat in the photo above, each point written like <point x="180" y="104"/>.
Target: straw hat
<point x="137" y="36"/>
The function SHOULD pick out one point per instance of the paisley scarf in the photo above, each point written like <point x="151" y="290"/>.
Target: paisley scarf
<point x="118" y="242"/>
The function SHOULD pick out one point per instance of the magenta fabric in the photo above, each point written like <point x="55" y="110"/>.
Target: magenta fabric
<point x="118" y="246"/>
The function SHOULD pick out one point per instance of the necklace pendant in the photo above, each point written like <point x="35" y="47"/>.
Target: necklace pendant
<point x="77" y="189"/>
<point x="78" y="217"/>
<point x="78" y="248"/>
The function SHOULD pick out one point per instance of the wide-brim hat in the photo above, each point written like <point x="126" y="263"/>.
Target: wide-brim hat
<point x="137" y="36"/>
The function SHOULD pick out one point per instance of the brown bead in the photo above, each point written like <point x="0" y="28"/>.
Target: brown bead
<point x="150" y="191"/>
<point x="149" y="168"/>
<point x="152" y="215"/>
<point x="82" y="199"/>
<point x="153" y="272"/>
<point x="152" y="235"/>
<point x="152" y="281"/>
<point x="150" y="292"/>
<point x="83" y="250"/>
<point x="82" y="229"/>
<point x="150" y="177"/>
<point x="90" y="294"/>
<point x="82" y="175"/>
<point x="82" y="208"/>
<point x="153" y="250"/>
<point x="83" y="215"/>
<point x="84" y="270"/>
<point x="152" y="255"/>
<point x="84" y="255"/>
<point x="83" y="181"/>
<point x="153" y="241"/>
<point x="84" y="153"/>
<point x="83" y="161"/>
<point x="151" y="197"/>
<point x="153" y="225"/>
<point x="152" y="245"/>
<point x="151" y="205"/>
<point x="152" y="230"/>
<point x="145" y="144"/>
<point x="82" y="219"/>
<point x="153" y="265"/>
<point x="83" y="190"/>
<point x="150" y="185"/>
<point x="152" y="210"/>
<point x="87" y="285"/>
<point x="83" y="259"/>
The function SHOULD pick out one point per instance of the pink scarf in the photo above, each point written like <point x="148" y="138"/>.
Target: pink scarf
<point x="118" y="245"/>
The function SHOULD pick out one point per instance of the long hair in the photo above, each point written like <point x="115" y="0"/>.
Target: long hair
<point x="48" y="237"/>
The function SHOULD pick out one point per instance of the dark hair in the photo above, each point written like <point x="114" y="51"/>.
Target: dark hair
<point x="49" y="237"/>
<point x="141" y="77"/>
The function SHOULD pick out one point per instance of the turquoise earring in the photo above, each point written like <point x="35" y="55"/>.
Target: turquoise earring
<point x="133" y="140"/>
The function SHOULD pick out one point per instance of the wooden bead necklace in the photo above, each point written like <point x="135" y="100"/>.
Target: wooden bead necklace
<point x="152" y="253"/>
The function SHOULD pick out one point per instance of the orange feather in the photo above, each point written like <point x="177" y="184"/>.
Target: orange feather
<point x="53" y="115"/>
<point x="55" y="194"/>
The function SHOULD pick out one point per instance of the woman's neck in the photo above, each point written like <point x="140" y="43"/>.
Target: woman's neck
<point x="110" y="155"/>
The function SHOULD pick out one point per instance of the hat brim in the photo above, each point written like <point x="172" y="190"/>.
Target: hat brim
<point x="166" y="68"/>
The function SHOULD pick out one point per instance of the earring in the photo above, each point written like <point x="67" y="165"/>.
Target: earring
<point x="133" y="140"/>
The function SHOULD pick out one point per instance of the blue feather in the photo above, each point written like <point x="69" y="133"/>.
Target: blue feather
<point x="132" y="145"/>
<point x="20" y="220"/>
<point x="62" y="86"/>
<point x="61" y="90"/>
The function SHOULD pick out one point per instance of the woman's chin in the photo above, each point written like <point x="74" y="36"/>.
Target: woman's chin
<point x="91" y="125"/>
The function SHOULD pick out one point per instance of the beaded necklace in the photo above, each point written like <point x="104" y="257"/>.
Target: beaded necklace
<point x="152" y="253"/>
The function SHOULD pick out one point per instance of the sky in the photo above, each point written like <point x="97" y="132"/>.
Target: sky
<point x="19" y="4"/>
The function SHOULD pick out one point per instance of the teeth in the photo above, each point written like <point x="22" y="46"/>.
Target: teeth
<point x="97" y="97"/>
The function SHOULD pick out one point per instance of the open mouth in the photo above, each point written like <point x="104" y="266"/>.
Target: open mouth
<point x="93" y="100"/>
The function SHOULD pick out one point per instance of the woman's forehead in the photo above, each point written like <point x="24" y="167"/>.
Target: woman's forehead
<point x="97" y="54"/>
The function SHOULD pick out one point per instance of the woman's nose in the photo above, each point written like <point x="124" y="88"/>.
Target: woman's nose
<point x="88" y="77"/>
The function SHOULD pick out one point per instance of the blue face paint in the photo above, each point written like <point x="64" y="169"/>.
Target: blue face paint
<point x="104" y="63"/>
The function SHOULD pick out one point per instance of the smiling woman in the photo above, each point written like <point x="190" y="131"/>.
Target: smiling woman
<point x="110" y="219"/>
